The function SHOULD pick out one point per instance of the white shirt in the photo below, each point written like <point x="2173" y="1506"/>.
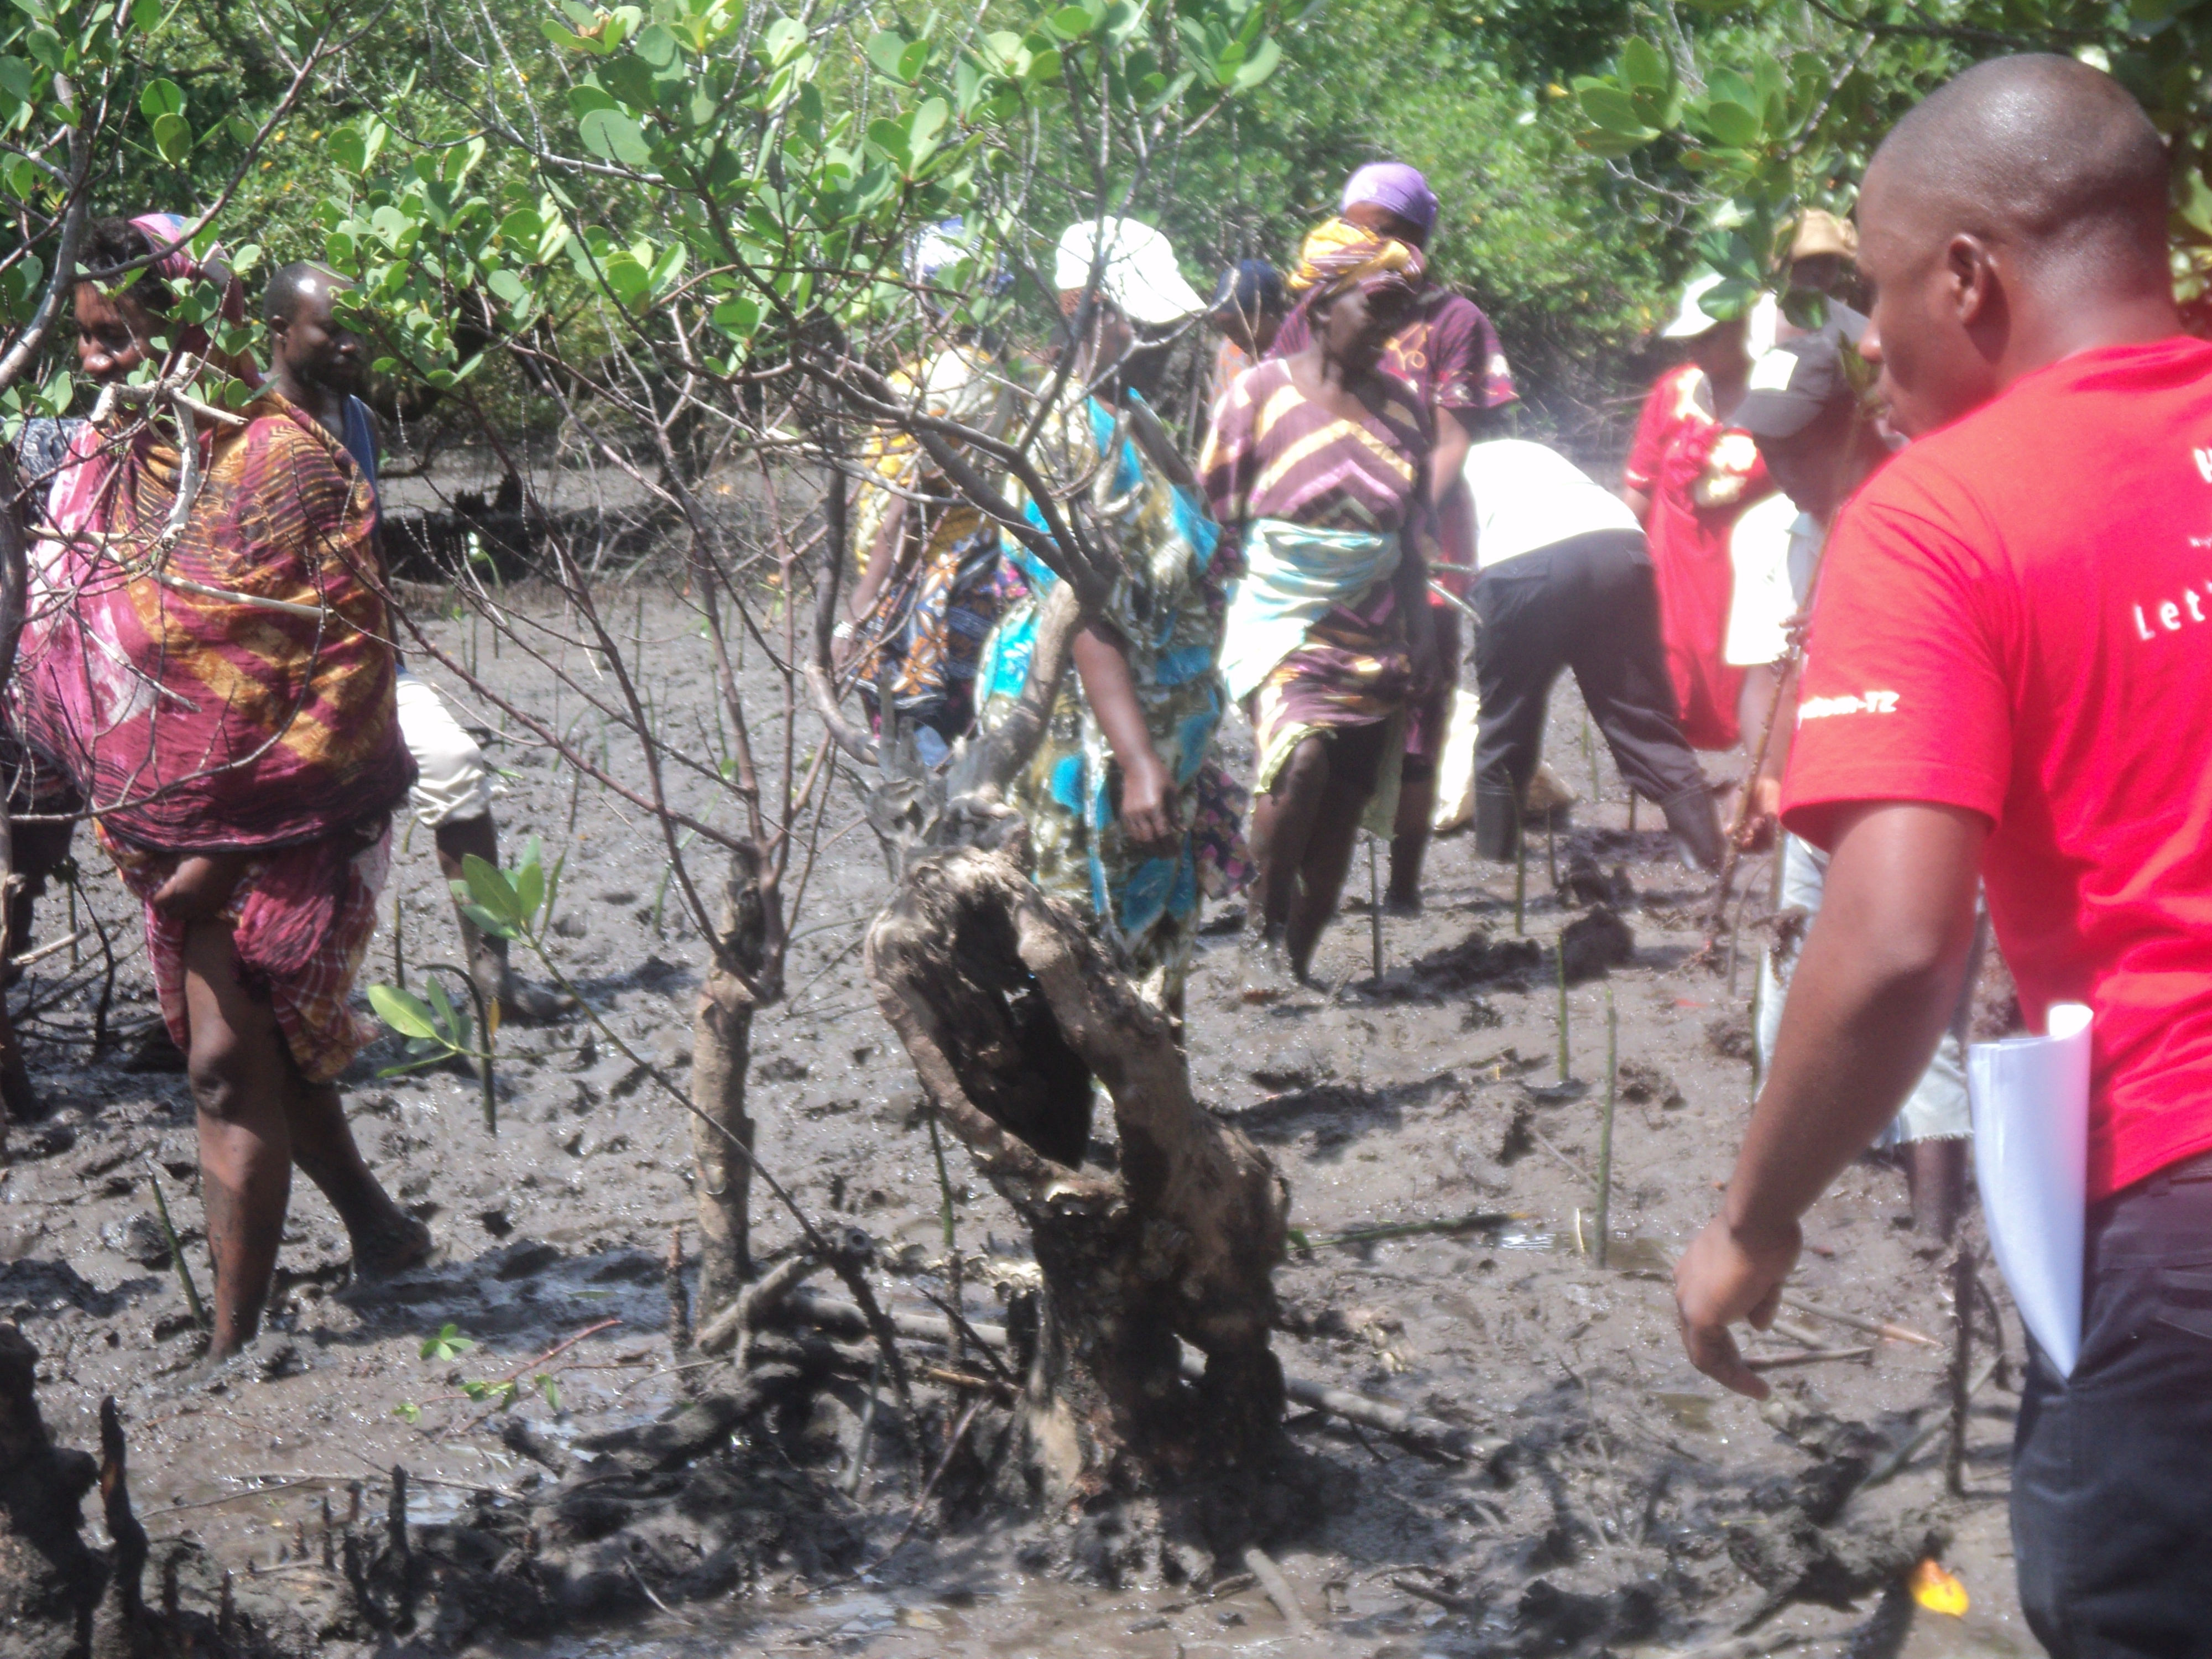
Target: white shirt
<point x="1771" y="553"/>
<point x="1528" y="496"/>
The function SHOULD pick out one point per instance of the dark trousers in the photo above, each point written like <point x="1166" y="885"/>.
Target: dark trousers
<point x="1589" y="603"/>
<point x="2111" y="1488"/>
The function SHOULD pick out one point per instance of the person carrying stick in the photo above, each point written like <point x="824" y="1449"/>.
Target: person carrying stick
<point x="1819" y="445"/>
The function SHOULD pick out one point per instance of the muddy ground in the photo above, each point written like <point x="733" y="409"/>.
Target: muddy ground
<point x="1616" y="1501"/>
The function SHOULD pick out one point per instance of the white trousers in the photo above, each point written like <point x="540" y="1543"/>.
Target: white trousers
<point x="1937" y="1109"/>
<point x="453" y="783"/>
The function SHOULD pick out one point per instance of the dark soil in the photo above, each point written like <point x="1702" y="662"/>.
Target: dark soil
<point x="632" y="1497"/>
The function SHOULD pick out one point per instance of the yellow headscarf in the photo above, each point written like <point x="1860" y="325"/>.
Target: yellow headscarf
<point x="1340" y="254"/>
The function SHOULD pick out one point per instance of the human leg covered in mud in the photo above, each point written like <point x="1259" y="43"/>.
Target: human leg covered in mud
<point x="257" y="1116"/>
<point x="1303" y="831"/>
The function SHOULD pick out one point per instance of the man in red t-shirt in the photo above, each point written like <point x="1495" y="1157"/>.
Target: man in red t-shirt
<point x="2007" y="670"/>
<point x="1448" y="353"/>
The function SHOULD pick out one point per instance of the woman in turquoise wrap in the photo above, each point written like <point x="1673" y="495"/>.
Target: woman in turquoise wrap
<point x="1129" y="819"/>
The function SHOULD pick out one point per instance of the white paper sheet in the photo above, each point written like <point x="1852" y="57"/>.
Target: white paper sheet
<point x="2031" y="1102"/>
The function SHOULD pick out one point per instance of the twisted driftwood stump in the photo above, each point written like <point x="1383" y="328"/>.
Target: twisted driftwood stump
<point x="1009" y="1009"/>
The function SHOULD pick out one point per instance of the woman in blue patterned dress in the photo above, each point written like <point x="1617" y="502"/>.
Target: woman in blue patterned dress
<point x="1129" y="820"/>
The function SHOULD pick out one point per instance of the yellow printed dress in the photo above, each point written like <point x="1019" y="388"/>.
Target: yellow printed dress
<point x="928" y="623"/>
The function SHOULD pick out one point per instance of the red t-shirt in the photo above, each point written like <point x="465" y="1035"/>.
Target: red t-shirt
<point x="2015" y="616"/>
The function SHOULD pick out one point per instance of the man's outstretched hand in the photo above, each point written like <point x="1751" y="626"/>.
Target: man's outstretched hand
<point x="1720" y="1279"/>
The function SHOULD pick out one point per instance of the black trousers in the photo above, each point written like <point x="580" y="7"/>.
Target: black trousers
<point x="2111" y="1490"/>
<point x="1589" y="603"/>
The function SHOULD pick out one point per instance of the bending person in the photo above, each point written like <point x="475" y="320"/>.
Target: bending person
<point x="316" y="364"/>
<point x="1316" y="464"/>
<point x="1567" y="583"/>
<point x="245" y="794"/>
<point x="1121" y="797"/>
<point x="1820" y="446"/>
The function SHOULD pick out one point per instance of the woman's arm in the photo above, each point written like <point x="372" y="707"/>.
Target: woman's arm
<point x="1410" y="583"/>
<point x="883" y="555"/>
<point x="1102" y="662"/>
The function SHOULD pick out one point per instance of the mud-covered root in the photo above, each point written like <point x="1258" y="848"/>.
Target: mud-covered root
<point x="50" y="1578"/>
<point x="59" y="1597"/>
<point x="1009" y="1010"/>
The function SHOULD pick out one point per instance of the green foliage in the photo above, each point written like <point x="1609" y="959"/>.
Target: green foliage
<point x="1761" y="109"/>
<point x="435" y="1031"/>
<point x="448" y="1343"/>
<point x="723" y="188"/>
<point x="1570" y="263"/>
<point x="698" y="165"/>
<point x="503" y="1393"/>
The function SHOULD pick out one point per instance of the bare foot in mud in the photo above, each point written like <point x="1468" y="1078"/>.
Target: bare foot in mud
<point x="1266" y="973"/>
<point x="521" y="1001"/>
<point x="391" y="1247"/>
<point x="213" y="1373"/>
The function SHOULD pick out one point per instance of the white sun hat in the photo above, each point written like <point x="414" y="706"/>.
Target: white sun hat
<point x="1692" y="320"/>
<point x="1141" y="276"/>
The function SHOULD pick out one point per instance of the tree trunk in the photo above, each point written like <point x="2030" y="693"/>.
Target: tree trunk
<point x="720" y="1048"/>
<point x="1009" y="1009"/>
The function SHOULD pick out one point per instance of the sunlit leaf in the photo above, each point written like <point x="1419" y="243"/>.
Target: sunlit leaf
<point x="612" y="134"/>
<point x="1642" y="65"/>
<point x="1731" y="123"/>
<point x="1937" y="1590"/>
<point x="402" y="1012"/>
<point x="1259" y="66"/>
<point x="739" y="316"/>
<point x="448" y="1343"/>
<point x="159" y="98"/>
<point x="488" y="885"/>
<point x="1610" y="108"/>
<point x="884" y="50"/>
<point x="173" y="137"/>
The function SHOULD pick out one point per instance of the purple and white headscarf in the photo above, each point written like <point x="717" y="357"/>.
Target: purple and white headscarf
<point x="1394" y="186"/>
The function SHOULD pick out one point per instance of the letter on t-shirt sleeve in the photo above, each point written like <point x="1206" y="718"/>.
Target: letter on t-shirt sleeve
<point x="1904" y="694"/>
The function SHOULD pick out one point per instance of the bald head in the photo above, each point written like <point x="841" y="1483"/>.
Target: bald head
<point x="317" y="358"/>
<point x="2015" y="217"/>
<point x="2042" y="153"/>
<point x="296" y="285"/>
